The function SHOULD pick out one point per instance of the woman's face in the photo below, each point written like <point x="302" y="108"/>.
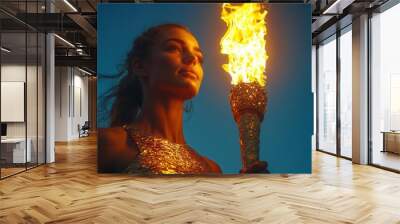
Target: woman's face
<point x="174" y="67"/>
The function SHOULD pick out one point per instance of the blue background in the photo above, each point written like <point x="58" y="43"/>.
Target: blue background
<point x="210" y="129"/>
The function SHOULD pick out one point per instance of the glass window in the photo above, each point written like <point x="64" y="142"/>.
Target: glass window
<point x="385" y="88"/>
<point x="31" y="99"/>
<point x="346" y="93"/>
<point x="327" y="96"/>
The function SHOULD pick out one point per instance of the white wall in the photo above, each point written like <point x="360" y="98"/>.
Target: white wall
<point x="12" y="73"/>
<point x="61" y="103"/>
<point x="16" y="73"/>
<point x="81" y="103"/>
<point x="33" y="127"/>
<point x="71" y="94"/>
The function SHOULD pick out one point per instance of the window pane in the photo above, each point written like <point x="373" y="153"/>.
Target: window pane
<point x="327" y="96"/>
<point x="346" y="94"/>
<point x="385" y="88"/>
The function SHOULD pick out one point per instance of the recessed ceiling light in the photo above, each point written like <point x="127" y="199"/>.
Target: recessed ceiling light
<point x="70" y="5"/>
<point x="84" y="71"/>
<point x="64" y="40"/>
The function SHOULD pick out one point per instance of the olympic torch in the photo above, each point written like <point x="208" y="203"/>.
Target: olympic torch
<point x="244" y="43"/>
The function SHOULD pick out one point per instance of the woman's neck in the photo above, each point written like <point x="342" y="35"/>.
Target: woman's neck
<point x="161" y="117"/>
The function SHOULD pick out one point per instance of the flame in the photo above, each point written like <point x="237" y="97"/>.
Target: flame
<point x="244" y="42"/>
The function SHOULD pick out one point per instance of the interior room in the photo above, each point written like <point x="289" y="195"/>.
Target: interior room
<point x="22" y="101"/>
<point x="51" y="117"/>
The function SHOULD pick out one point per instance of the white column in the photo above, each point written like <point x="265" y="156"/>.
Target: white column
<point x="360" y="89"/>
<point x="50" y="93"/>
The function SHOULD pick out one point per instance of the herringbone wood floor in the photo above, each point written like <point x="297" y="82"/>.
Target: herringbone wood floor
<point x="70" y="191"/>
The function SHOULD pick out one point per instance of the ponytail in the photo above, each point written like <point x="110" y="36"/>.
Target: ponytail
<point x="128" y="101"/>
<point x="128" y="93"/>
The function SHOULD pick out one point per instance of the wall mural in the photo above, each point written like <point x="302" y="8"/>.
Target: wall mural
<point x="204" y="88"/>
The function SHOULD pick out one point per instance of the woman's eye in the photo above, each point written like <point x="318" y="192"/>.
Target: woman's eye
<point x="173" y="48"/>
<point x="200" y="59"/>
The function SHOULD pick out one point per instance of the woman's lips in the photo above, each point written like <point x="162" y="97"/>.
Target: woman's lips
<point x="189" y="74"/>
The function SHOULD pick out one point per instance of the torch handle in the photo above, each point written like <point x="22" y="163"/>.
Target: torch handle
<point x="249" y="131"/>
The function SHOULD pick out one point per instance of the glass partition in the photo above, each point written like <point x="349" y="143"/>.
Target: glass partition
<point x="13" y="105"/>
<point x="22" y="89"/>
<point x="41" y="91"/>
<point x="31" y="100"/>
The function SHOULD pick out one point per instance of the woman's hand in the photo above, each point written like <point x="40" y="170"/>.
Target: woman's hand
<point x="256" y="167"/>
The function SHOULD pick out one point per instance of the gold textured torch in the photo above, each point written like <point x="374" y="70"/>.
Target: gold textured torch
<point x="244" y="43"/>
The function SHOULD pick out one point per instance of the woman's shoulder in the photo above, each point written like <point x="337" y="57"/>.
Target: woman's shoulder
<point x="116" y="149"/>
<point x="111" y="134"/>
<point x="114" y="138"/>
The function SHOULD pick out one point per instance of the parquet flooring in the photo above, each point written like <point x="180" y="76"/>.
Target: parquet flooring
<point x="387" y="159"/>
<point x="9" y="171"/>
<point x="71" y="191"/>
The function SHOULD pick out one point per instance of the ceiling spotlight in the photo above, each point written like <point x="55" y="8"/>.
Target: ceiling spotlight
<point x="79" y="51"/>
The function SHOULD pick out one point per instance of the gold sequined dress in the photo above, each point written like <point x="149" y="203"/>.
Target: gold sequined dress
<point x="157" y="155"/>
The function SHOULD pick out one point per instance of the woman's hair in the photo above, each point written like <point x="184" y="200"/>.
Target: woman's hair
<point x="128" y="93"/>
